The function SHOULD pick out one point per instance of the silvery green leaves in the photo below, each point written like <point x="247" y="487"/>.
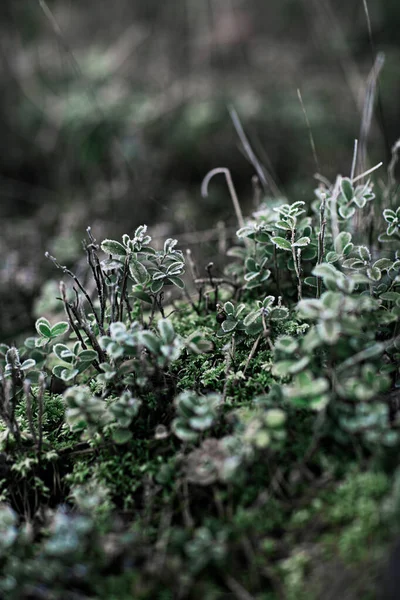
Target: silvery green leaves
<point x="308" y="391"/>
<point x="291" y="355"/>
<point x="233" y="319"/>
<point x="197" y="343"/>
<point x="334" y="279"/>
<point x="373" y="271"/>
<point x="290" y="212"/>
<point x="256" y="272"/>
<point x="149" y="269"/>
<point x="368" y="420"/>
<point x="392" y="218"/>
<point x="337" y="314"/>
<point x="129" y="246"/>
<point x="288" y="221"/>
<point x="195" y="414"/>
<point x="135" y="352"/>
<point x="123" y="410"/>
<point x="260" y="429"/>
<point x="257" y="320"/>
<point x="343" y="245"/>
<point x="352" y="197"/>
<point x="74" y="360"/>
<point x="362" y="382"/>
<point x="47" y="332"/>
<point x="89" y="414"/>
<point x="85" y="413"/>
<point x="254" y="322"/>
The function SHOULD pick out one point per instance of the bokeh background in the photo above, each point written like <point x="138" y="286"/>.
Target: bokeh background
<point x="112" y="112"/>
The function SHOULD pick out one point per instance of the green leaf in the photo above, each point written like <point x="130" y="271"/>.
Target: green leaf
<point x="346" y="212"/>
<point x="88" y="355"/>
<point x="311" y="281"/>
<point x="28" y="364"/>
<point x="181" y="431"/>
<point x="177" y="281"/>
<point x="286" y="344"/>
<point x="281" y="243"/>
<point x="229" y="308"/>
<point x="384" y="237"/>
<point x="374" y="274"/>
<point x="389" y="215"/>
<point x="360" y="201"/>
<point x="353" y="263"/>
<point x="228" y="325"/>
<point x="348" y="249"/>
<point x="282" y="225"/>
<point x="175" y="268"/>
<point x="69" y="374"/>
<point x="251" y="318"/>
<point x="341" y="241"/>
<point x="279" y="313"/>
<point x="59" y="328"/>
<point x="245" y="232"/>
<point x="43" y="327"/>
<point x="63" y="352"/>
<point x="310" y="308"/>
<point x="262" y="237"/>
<point x="325" y="270"/>
<point x="142" y="296"/>
<point x="138" y="272"/>
<point x="62" y="373"/>
<point x="113" y="247"/>
<point x="384" y="264"/>
<point x="121" y="436"/>
<point x="166" y="330"/>
<point x="282" y="368"/>
<point x="390" y="296"/>
<point x="304" y="241"/>
<point x="201" y="423"/>
<point x="150" y="341"/>
<point x="347" y="188"/>
<point x="251" y="276"/>
<point x="296" y="205"/>
<point x="364" y="253"/>
<point x="331" y="257"/>
<point x="157" y="285"/>
<point x="329" y="330"/>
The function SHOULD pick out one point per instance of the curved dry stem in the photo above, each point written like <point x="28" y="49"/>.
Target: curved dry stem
<point x="231" y="187"/>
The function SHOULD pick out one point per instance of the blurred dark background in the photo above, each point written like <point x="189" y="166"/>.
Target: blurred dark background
<point x="111" y="113"/>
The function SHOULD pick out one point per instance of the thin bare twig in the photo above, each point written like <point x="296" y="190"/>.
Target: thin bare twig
<point x="231" y="187"/>
<point x="310" y="133"/>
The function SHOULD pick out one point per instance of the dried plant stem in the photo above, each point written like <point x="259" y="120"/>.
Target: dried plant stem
<point x="310" y="133"/>
<point x="247" y="148"/>
<point x="354" y="163"/>
<point x="297" y="266"/>
<point x="252" y="353"/>
<point x="78" y="283"/>
<point x="333" y="209"/>
<point x="321" y="240"/>
<point x="232" y="191"/>
<point x="371" y="170"/>
<point x="228" y="362"/>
